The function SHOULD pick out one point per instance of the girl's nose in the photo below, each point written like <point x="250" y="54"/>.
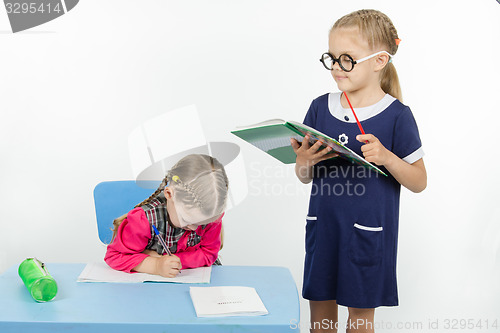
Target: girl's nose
<point x="336" y="66"/>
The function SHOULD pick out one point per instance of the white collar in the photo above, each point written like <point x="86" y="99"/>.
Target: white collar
<point x="365" y="113"/>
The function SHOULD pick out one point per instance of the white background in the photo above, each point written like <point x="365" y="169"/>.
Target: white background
<point x="72" y="90"/>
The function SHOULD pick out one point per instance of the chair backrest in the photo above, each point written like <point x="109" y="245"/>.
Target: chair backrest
<point x="113" y="199"/>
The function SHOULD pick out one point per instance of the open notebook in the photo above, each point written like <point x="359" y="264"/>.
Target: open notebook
<point x="273" y="137"/>
<point x="101" y="272"/>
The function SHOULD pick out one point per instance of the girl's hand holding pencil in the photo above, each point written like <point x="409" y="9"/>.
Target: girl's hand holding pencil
<point x="168" y="266"/>
<point x="374" y="151"/>
<point x="165" y="265"/>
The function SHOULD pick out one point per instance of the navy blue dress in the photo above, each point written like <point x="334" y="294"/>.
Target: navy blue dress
<point x="352" y="223"/>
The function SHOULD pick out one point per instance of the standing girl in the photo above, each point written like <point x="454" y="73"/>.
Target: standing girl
<point x="352" y="224"/>
<point x="187" y="210"/>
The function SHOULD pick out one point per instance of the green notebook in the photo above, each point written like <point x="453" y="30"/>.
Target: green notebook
<point x="273" y="137"/>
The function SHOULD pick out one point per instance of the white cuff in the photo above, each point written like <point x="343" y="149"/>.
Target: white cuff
<point x="415" y="156"/>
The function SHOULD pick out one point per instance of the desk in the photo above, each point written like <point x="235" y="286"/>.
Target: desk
<point x="144" y="307"/>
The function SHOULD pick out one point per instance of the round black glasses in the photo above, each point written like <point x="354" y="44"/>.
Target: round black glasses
<point x="345" y="61"/>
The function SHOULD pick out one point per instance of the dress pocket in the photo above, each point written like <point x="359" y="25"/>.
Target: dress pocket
<point x="365" y="247"/>
<point x="310" y="233"/>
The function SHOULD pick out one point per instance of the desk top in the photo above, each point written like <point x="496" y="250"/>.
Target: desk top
<point x="130" y="307"/>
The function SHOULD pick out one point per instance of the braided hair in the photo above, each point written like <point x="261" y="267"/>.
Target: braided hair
<point x="199" y="182"/>
<point x="379" y="31"/>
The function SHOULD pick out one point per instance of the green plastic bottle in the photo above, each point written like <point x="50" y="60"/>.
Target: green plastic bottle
<point x="37" y="279"/>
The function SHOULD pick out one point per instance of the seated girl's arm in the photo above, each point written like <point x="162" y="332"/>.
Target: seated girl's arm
<point x="206" y="252"/>
<point x="133" y="235"/>
<point x="127" y="251"/>
<point x="167" y="266"/>
<point x="412" y="176"/>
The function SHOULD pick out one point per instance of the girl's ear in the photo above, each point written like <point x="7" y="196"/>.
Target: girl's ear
<point x="381" y="61"/>
<point x="169" y="192"/>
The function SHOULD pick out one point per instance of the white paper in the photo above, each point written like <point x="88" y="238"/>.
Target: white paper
<point x="101" y="272"/>
<point x="226" y="301"/>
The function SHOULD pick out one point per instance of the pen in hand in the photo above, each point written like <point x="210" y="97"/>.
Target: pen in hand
<point x="162" y="242"/>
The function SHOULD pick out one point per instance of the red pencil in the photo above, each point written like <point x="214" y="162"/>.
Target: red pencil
<point x="354" y="113"/>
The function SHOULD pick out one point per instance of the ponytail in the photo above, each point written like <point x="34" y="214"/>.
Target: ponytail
<point x="389" y="81"/>
<point x="116" y="224"/>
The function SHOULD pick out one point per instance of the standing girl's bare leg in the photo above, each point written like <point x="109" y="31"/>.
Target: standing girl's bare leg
<point x="361" y="321"/>
<point x="324" y="316"/>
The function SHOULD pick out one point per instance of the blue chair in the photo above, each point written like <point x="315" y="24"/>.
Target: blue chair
<point x="113" y="199"/>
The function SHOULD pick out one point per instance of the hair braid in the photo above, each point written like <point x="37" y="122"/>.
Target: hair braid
<point x="119" y="220"/>
<point x="391" y="34"/>
<point x="188" y="188"/>
<point x="201" y="184"/>
<point x="154" y="195"/>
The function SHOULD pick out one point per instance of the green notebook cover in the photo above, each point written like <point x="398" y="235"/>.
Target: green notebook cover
<point x="273" y="137"/>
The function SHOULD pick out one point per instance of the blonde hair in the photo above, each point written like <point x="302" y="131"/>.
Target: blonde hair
<point x="199" y="182"/>
<point x="378" y="30"/>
